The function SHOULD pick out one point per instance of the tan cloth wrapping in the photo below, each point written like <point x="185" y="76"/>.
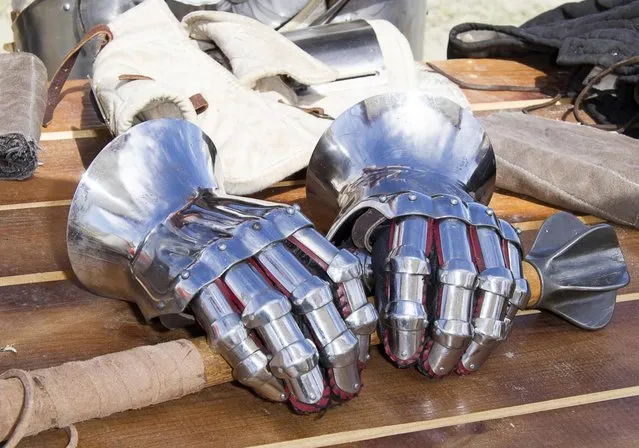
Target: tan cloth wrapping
<point x="79" y="391"/>
<point x="572" y="166"/>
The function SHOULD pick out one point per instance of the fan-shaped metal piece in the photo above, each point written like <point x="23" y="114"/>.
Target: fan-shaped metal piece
<point x="580" y="268"/>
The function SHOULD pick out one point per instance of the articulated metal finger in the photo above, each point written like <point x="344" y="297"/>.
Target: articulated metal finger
<point x="366" y="262"/>
<point x="344" y="269"/>
<point x="228" y="337"/>
<point x="312" y="299"/>
<point x="457" y="275"/>
<point x="495" y="284"/>
<point x="514" y="256"/>
<point x="407" y="268"/>
<point x="268" y="312"/>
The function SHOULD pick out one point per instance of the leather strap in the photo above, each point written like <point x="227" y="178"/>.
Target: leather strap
<point x="199" y="103"/>
<point x="62" y="74"/>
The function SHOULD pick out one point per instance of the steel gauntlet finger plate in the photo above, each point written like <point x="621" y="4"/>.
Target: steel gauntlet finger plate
<point x="282" y="305"/>
<point x="406" y="178"/>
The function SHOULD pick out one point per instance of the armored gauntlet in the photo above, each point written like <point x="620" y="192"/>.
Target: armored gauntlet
<point x="151" y="223"/>
<point x="405" y="179"/>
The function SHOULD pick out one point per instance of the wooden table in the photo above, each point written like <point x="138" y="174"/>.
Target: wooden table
<point x="549" y="384"/>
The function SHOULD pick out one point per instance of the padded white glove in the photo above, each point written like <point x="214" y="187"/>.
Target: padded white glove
<point x="260" y="141"/>
<point x="154" y="67"/>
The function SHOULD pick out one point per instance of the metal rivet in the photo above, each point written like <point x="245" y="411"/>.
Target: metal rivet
<point x="161" y="306"/>
<point x="383" y="198"/>
<point x="412" y="197"/>
<point x="356" y="386"/>
<point x="441" y="369"/>
<point x="257" y="226"/>
<point x="290" y="211"/>
<point x="518" y="231"/>
<point x="222" y="246"/>
<point x="280" y="370"/>
<point x="66" y="7"/>
<point x="404" y="354"/>
<point x="297" y="207"/>
<point x="490" y="212"/>
<point x="312" y="396"/>
<point x="185" y="275"/>
<point x="368" y="357"/>
<point x="282" y="397"/>
<point x="454" y="201"/>
<point x="472" y="366"/>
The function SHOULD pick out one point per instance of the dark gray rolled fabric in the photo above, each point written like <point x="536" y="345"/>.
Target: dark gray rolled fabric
<point x="23" y="90"/>
<point x="572" y="166"/>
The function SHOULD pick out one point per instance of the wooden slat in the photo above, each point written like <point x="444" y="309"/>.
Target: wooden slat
<point x="33" y="240"/>
<point x="52" y="323"/>
<point x="544" y="359"/>
<point x="570" y="427"/>
<point x="63" y="162"/>
<point x="502" y="72"/>
<point x="68" y="116"/>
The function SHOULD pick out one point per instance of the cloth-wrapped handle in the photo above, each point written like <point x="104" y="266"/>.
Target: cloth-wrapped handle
<point x="82" y="390"/>
<point x="132" y="379"/>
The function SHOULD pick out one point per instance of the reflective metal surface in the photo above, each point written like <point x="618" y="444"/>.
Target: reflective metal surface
<point x="228" y="337"/>
<point x="409" y="16"/>
<point x="495" y="284"/>
<point x="343" y="268"/>
<point x="395" y="143"/>
<point x="406" y="177"/>
<point x="51" y="28"/>
<point x="403" y="310"/>
<point x="350" y="48"/>
<point x="128" y="190"/>
<point x="312" y="298"/>
<point x="457" y="275"/>
<point x="150" y="223"/>
<point x="295" y="358"/>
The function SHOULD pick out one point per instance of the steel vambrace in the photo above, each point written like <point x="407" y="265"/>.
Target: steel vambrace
<point x="404" y="179"/>
<point x="283" y="306"/>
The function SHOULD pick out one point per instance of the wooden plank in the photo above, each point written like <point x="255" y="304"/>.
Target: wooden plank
<point x="52" y="323"/>
<point x="545" y="359"/>
<point x="63" y="162"/>
<point x="75" y="110"/>
<point x="610" y="423"/>
<point x="529" y="73"/>
<point x="33" y="240"/>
